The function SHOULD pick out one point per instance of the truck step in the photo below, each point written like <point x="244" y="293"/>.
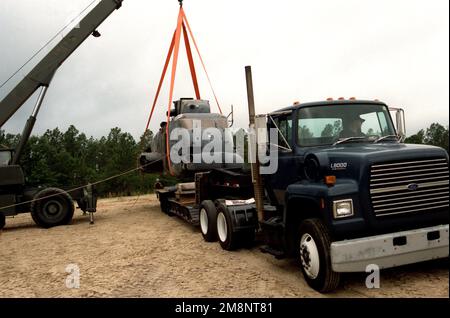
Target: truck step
<point x="195" y="217"/>
<point x="277" y="253"/>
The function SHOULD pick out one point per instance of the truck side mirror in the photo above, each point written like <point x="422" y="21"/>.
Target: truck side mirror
<point x="399" y="122"/>
<point x="230" y="117"/>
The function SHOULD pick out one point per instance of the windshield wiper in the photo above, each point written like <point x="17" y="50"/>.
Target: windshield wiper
<point x="341" y="141"/>
<point x="386" y="137"/>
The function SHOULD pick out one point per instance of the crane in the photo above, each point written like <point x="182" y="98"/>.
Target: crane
<point x="51" y="206"/>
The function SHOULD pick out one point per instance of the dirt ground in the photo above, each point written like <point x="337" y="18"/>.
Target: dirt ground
<point x="134" y="250"/>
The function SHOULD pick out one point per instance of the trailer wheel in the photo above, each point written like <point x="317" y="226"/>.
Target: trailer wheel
<point x="228" y="239"/>
<point x="53" y="207"/>
<point x="2" y="220"/>
<point x="208" y="221"/>
<point x="314" y="250"/>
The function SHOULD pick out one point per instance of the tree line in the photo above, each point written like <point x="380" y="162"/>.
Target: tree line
<point x="435" y="135"/>
<point x="70" y="158"/>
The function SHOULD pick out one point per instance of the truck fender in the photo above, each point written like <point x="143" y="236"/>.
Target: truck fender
<point x="301" y="204"/>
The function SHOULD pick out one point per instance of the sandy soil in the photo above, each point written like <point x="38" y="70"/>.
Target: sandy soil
<point x="134" y="250"/>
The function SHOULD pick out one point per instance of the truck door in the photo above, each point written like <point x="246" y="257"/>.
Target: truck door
<point x="286" y="173"/>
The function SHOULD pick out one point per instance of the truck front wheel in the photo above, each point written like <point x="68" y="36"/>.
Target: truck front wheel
<point x="208" y="221"/>
<point x="314" y="253"/>
<point x="52" y="207"/>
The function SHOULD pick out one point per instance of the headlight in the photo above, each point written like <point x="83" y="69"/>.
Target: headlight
<point x="342" y="208"/>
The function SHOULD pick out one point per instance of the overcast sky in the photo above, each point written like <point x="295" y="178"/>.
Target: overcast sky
<point x="395" y="51"/>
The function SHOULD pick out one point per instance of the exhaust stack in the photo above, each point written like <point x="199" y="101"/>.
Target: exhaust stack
<point x="256" y="176"/>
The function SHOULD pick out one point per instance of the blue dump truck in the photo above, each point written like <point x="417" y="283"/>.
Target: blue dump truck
<point x="347" y="192"/>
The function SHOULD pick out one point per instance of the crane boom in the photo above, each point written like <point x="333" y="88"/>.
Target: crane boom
<point x="42" y="74"/>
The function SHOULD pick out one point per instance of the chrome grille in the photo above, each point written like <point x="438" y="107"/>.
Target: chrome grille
<point x="409" y="186"/>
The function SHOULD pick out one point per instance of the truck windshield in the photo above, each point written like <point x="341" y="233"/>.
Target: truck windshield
<point x="5" y="157"/>
<point x="326" y="125"/>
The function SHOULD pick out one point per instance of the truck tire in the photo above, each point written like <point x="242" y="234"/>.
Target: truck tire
<point x="314" y="253"/>
<point x="52" y="211"/>
<point x="208" y="221"/>
<point x="228" y="239"/>
<point x="2" y="221"/>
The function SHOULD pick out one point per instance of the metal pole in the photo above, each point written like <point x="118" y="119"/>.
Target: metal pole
<point x="29" y="126"/>
<point x="256" y="176"/>
<point x="39" y="101"/>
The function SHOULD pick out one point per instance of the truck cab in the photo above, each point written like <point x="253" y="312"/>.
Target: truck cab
<point x="350" y="193"/>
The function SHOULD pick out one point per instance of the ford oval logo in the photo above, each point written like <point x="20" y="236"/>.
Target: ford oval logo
<point x="412" y="186"/>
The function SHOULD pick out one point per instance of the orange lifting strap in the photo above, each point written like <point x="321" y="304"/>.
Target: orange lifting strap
<point x="182" y="27"/>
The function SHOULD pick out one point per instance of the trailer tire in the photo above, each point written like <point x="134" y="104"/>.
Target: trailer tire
<point x="208" y="221"/>
<point x="314" y="254"/>
<point x="58" y="209"/>
<point x="2" y="220"/>
<point x="228" y="239"/>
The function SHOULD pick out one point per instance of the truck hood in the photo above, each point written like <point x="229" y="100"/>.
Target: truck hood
<point x="345" y="158"/>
